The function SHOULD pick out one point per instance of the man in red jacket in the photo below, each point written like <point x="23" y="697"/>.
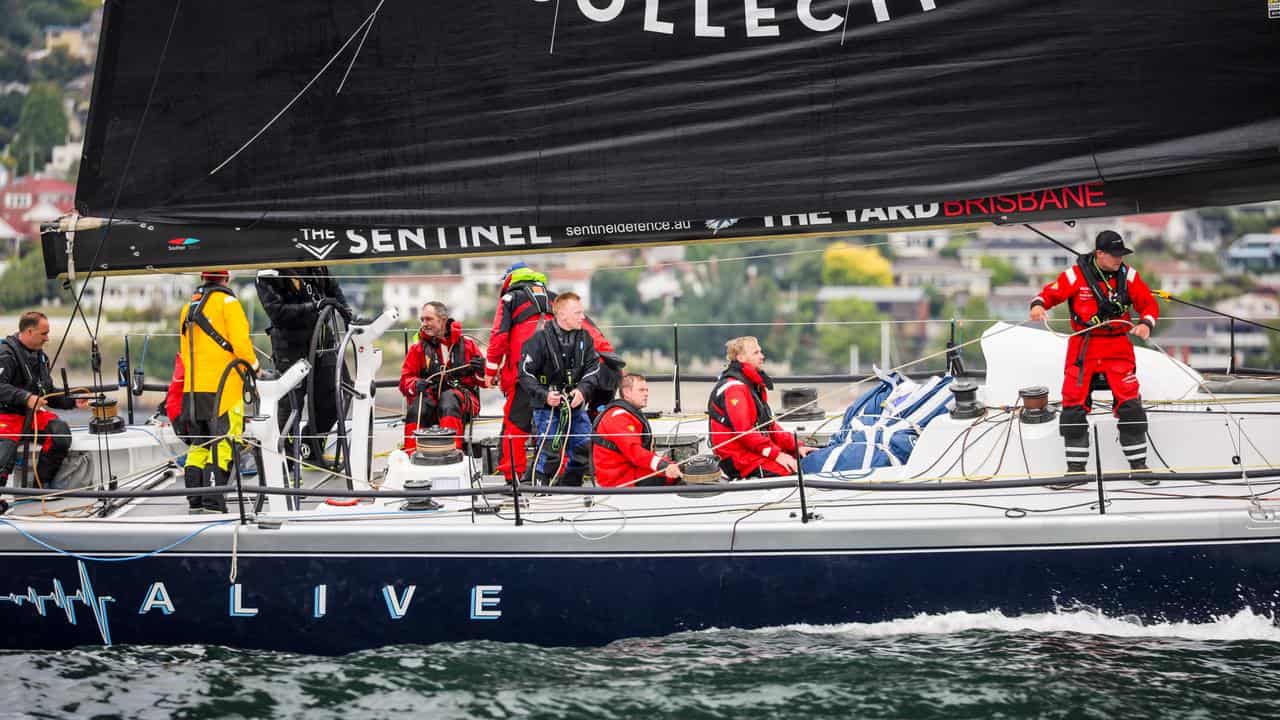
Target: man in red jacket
<point x="744" y="434"/>
<point x="441" y="376"/>
<point x="1100" y="291"/>
<point x="525" y="306"/>
<point x="622" y="441"/>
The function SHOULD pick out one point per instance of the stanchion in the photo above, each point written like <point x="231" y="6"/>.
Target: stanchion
<point x="804" y="505"/>
<point x="1097" y="458"/>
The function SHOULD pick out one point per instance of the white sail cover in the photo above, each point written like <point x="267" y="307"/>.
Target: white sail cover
<point x="1019" y="357"/>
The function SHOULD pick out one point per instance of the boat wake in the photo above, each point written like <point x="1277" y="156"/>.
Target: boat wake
<point x="1244" y="625"/>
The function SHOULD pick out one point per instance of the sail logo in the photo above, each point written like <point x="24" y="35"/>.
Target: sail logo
<point x="180" y="244"/>
<point x="319" y="252"/>
<point x="715" y="226"/>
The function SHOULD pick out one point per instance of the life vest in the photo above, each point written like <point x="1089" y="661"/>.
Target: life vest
<point x="646" y="430"/>
<point x="1113" y="303"/>
<point x="563" y="376"/>
<point x="717" y="410"/>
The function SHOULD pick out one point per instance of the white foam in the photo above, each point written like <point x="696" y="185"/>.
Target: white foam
<point x="1244" y="625"/>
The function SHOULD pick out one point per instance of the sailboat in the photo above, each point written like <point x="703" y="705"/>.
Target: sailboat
<point x="345" y="132"/>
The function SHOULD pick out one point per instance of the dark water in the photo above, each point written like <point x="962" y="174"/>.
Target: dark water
<point x="1063" y="665"/>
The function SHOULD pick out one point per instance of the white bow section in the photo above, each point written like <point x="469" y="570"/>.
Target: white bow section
<point x="1019" y="357"/>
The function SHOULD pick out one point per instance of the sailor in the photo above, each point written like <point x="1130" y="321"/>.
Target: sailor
<point x="26" y="393"/>
<point x="293" y="299"/>
<point x="441" y="375"/>
<point x="559" y="369"/>
<point x="622" y="441"/>
<point x="1101" y="292"/>
<point x="523" y="309"/>
<point x="744" y="435"/>
<point x="214" y="334"/>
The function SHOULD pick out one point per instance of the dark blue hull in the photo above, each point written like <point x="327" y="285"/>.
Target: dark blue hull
<point x="277" y="603"/>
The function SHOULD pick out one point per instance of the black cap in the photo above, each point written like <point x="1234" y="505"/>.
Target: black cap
<point x="1110" y="242"/>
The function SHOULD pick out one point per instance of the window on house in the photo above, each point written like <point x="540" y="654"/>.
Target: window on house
<point x="17" y="201"/>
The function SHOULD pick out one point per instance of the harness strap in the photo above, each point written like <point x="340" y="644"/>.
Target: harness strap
<point x="196" y="315"/>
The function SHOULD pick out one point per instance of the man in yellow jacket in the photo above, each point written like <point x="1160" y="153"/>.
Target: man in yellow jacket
<point x="214" y="334"/>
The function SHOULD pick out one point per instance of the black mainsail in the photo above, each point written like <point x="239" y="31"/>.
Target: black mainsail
<point x="359" y="130"/>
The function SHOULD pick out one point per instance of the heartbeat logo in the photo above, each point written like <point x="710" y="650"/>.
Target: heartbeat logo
<point x="319" y="252"/>
<point x="66" y="603"/>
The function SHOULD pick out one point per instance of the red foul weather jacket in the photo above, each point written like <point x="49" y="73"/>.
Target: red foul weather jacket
<point x="522" y="306"/>
<point x="433" y="358"/>
<point x="622" y="448"/>
<point x="743" y="431"/>
<point x="1123" y="293"/>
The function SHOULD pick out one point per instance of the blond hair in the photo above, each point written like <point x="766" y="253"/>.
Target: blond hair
<point x="737" y="346"/>
<point x="563" y="298"/>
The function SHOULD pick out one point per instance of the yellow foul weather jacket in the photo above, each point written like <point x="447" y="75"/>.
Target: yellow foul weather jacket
<point x="204" y="357"/>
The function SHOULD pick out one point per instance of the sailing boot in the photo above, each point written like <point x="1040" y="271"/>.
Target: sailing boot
<point x="1073" y="425"/>
<point x="1131" y="420"/>
<point x="193" y="477"/>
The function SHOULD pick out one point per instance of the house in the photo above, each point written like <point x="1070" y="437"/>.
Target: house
<point x="1254" y="253"/>
<point x="920" y="244"/>
<point x="64" y="156"/>
<point x="1180" y="276"/>
<point x="1205" y="343"/>
<point x="950" y="277"/>
<point x="140" y="292"/>
<point x="29" y="201"/>
<point x="75" y="40"/>
<point x="409" y="294"/>
<point x="1260" y="306"/>
<point x="908" y="305"/>
<point x="1012" y="303"/>
<point x="1037" y="258"/>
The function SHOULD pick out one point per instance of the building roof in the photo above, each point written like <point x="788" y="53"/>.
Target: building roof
<point x="1155" y="221"/>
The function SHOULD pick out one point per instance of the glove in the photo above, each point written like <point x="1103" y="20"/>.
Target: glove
<point x="423" y="386"/>
<point x="477" y="365"/>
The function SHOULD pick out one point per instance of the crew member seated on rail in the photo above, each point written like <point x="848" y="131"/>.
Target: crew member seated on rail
<point x="622" y="441"/>
<point x="523" y="309"/>
<point x="26" y="394"/>
<point x="293" y="299"/>
<point x="214" y="335"/>
<point x="441" y="375"/>
<point x="744" y="435"/>
<point x="559" y="369"/>
<point x="1100" y="290"/>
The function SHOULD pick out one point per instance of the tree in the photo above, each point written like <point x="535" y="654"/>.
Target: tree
<point x="41" y="125"/>
<point x="11" y="109"/>
<point x="835" y="340"/>
<point x="1002" y="273"/>
<point x="845" y="264"/>
<point x="60" y="67"/>
<point x="23" y="284"/>
<point x="59" y="12"/>
<point x="618" y="286"/>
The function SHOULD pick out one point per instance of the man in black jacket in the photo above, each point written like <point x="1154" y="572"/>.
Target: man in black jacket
<point x="26" y="390"/>
<point x="293" y="299"/>
<point x="559" y="369"/>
